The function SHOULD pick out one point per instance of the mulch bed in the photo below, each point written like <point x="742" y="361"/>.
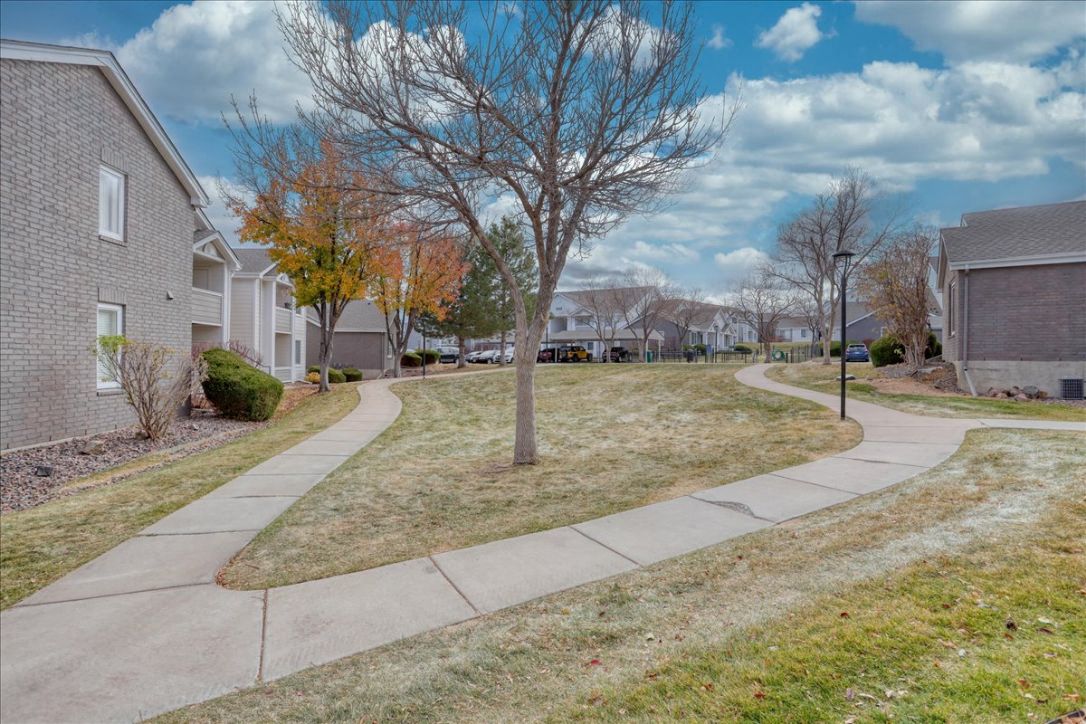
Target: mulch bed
<point x="21" y="487"/>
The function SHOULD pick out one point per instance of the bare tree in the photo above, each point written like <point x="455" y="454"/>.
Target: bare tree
<point x="762" y="301"/>
<point x="580" y="113"/>
<point x="602" y="300"/>
<point x="645" y="296"/>
<point x="896" y="288"/>
<point x="687" y="311"/>
<point x="153" y="386"/>
<point x="843" y="217"/>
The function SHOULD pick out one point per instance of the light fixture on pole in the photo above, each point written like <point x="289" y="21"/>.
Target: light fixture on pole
<point x="843" y="259"/>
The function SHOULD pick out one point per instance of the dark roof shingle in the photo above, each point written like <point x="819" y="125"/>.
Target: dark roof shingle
<point x="1027" y="231"/>
<point x="253" y="261"/>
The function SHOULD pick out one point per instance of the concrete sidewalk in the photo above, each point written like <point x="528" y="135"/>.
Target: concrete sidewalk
<point x="144" y="628"/>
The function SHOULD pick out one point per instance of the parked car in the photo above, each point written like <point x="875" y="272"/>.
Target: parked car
<point x="620" y="354"/>
<point x="857" y="353"/>
<point x="545" y="355"/>
<point x="486" y="357"/>
<point x="473" y="357"/>
<point x="448" y="354"/>
<point x="574" y="353"/>
<point x="508" y="356"/>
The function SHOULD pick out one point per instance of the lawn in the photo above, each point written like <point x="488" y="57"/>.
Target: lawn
<point x="815" y="376"/>
<point x="959" y="595"/>
<point x="41" y="544"/>
<point x="612" y="437"/>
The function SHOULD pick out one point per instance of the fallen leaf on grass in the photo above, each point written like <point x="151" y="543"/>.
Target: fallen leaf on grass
<point x="759" y="694"/>
<point x="844" y="614"/>
<point x="1046" y="630"/>
<point x="708" y="686"/>
<point x="594" y="662"/>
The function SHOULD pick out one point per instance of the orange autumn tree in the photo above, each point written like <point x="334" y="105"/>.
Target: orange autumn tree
<point x="324" y="232"/>
<point x="422" y="275"/>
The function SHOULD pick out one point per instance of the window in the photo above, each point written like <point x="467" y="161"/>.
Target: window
<point x="803" y="333"/>
<point x="110" y="324"/>
<point x="110" y="204"/>
<point x="297" y="351"/>
<point x="950" y="310"/>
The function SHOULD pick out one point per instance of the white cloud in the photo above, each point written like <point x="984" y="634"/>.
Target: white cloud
<point x="719" y="41"/>
<point x="664" y="252"/>
<point x="1004" y="30"/>
<point x="733" y="266"/>
<point x="217" y="213"/>
<point x="795" y="32"/>
<point x="903" y="124"/>
<point x="195" y="56"/>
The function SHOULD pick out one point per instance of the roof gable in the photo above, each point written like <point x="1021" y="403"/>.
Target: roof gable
<point x="122" y="84"/>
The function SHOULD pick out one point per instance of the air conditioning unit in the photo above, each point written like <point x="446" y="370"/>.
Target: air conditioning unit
<point x="1071" y="389"/>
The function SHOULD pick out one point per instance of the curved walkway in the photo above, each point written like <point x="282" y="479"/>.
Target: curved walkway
<point x="144" y="628"/>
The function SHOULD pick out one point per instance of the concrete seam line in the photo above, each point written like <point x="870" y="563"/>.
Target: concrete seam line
<point x="604" y="545"/>
<point x="112" y="595"/>
<point x="263" y="639"/>
<point x="455" y="587"/>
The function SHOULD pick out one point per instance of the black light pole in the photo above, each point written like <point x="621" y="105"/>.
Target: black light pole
<point x="424" y="355"/>
<point x="845" y="259"/>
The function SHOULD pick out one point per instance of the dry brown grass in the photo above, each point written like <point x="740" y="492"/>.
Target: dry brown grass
<point x="612" y="437"/>
<point x="996" y="525"/>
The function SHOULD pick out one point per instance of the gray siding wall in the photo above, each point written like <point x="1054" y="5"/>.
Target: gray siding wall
<point x="243" y="311"/>
<point x="364" y="350"/>
<point x="58" y="123"/>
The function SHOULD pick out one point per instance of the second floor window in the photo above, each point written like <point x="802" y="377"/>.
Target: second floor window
<point x="110" y="203"/>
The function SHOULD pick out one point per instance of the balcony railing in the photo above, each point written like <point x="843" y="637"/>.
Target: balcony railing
<point x="283" y="320"/>
<point x="206" y="307"/>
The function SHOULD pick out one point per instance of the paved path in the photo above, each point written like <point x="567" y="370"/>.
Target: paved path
<point x="144" y="629"/>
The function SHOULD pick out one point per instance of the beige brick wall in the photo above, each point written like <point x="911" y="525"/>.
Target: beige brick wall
<point x="58" y="123"/>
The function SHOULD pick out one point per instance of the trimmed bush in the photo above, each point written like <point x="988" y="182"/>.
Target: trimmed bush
<point x="934" y="348"/>
<point x="237" y="389"/>
<point x="353" y="374"/>
<point x="313" y="378"/>
<point x="432" y="356"/>
<point x="411" y="359"/>
<point x="886" y="351"/>
<point x="334" y="375"/>
<point x="743" y="348"/>
<point x="700" y="348"/>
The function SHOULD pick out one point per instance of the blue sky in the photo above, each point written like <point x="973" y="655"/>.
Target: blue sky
<point x="951" y="106"/>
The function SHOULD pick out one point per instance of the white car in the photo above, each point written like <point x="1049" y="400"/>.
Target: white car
<point x="472" y="356"/>
<point x="508" y="356"/>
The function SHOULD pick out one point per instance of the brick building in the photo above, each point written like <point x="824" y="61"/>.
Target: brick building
<point x="97" y="229"/>
<point x="1014" y="296"/>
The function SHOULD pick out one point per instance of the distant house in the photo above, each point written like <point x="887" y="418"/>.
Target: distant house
<point x="710" y="324"/>
<point x="360" y="339"/>
<point x="1014" y="292"/>
<point x="571" y="323"/>
<point x="101" y="233"/>
<point x="263" y="316"/>
<point x="796" y="329"/>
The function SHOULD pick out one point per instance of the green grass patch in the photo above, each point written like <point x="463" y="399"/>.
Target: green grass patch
<point x="611" y="437"/>
<point x="818" y="377"/>
<point x="927" y="567"/>
<point x="42" y="544"/>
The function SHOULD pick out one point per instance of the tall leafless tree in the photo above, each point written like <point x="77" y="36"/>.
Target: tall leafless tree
<point x="644" y="296"/>
<point x="579" y="113"/>
<point x="851" y="214"/>
<point x="686" y="312"/>
<point x="762" y="301"/>
<point x="896" y="287"/>
<point x="601" y="299"/>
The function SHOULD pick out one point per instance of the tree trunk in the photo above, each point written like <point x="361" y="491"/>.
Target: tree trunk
<point x="525" y="449"/>
<point x="461" y="346"/>
<point x="325" y="358"/>
<point x="501" y="350"/>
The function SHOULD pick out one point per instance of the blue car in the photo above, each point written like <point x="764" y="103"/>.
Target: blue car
<point x="857" y="353"/>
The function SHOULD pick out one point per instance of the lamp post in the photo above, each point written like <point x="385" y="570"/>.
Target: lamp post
<point x="844" y="259"/>
<point x="424" y="355"/>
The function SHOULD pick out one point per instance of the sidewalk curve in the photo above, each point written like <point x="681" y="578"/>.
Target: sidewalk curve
<point x="144" y="628"/>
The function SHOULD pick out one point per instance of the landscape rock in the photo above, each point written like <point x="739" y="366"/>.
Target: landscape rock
<point x="1031" y="391"/>
<point x="93" y="447"/>
<point x="1022" y="397"/>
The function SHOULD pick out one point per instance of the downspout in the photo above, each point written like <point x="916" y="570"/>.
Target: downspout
<point x="965" y="331"/>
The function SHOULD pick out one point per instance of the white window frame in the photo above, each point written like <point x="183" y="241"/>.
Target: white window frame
<point x="119" y="205"/>
<point x="297" y="352"/>
<point x="119" y="309"/>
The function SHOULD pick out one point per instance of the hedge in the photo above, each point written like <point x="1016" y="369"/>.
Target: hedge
<point x="887" y="351"/>
<point x="433" y="356"/>
<point x="411" y="359"/>
<point x="743" y="348"/>
<point x="237" y="389"/>
<point x="934" y="348"/>
<point x="353" y="374"/>
<point x="334" y="376"/>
